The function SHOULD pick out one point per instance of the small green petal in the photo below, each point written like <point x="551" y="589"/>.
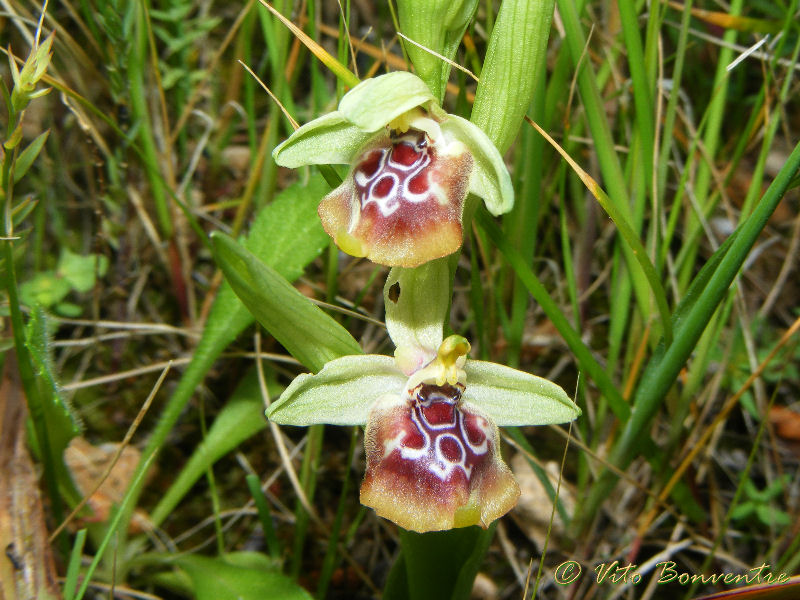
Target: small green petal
<point x="340" y="394"/>
<point x="490" y="179"/>
<point x="416" y="302"/>
<point x="331" y="139"/>
<point x="373" y="103"/>
<point x="512" y="397"/>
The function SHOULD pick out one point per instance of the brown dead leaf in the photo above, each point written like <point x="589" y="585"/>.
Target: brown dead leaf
<point x="88" y="463"/>
<point x="786" y="422"/>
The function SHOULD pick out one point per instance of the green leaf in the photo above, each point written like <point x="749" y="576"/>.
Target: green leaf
<point x="80" y="271"/>
<point x="286" y="235"/>
<point x="776" y="488"/>
<point x="27" y="156"/>
<point x="43" y="289"/>
<point x="219" y="579"/>
<point x="22" y="210"/>
<point x="340" y="394"/>
<point x="772" y="517"/>
<point x="512" y="66"/>
<point x="743" y="511"/>
<point x="310" y="335"/>
<point x="512" y="397"/>
<point x="68" y="309"/>
<point x="328" y="140"/>
<point x="240" y="418"/>
<point x="63" y="423"/>
<point x="59" y="420"/>
<point x="14" y="139"/>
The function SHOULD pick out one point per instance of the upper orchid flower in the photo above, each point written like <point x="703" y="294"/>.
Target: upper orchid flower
<point x="431" y="415"/>
<point x="412" y="165"/>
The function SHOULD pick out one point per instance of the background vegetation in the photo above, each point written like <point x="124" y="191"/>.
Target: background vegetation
<point x="688" y="447"/>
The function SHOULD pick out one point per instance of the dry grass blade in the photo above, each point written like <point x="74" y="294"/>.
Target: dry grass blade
<point x="125" y="441"/>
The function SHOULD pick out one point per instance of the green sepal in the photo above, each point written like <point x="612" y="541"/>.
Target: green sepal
<point x="374" y="103"/>
<point x="328" y="140"/>
<point x="490" y="178"/>
<point x="340" y="394"/>
<point x="416" y="302"/>
<point x="309" y="335"/>
<point x="512" y="397"/>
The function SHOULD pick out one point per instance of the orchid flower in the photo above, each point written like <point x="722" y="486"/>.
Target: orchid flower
<point x="412" y="166"/>
<point x="431" y="414"/>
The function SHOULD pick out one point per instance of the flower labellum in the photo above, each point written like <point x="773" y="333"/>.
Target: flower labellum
<point x="433" y="462"/>
<point x="412" y="166"/>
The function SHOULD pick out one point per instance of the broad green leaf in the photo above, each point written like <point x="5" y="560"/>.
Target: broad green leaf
<point x="310" y="335"/>
<point x="240" y="418"/>
<point x="743" y="511"/>
<point x="771" y="517"/>
<point x="44" y="289"/>
<point x="28" y="155"/>
<point x="286" y="235"/>
<point x="512" y="397"/>
<point x="219" y="579"/>
<point x="80" y="271"/>
<point x="331" y="139"/>
<point x="340" y="394"/>
<point x="68" y="309"/>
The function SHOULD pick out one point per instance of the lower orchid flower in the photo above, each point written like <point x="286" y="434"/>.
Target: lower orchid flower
<point x="431" y="415"/>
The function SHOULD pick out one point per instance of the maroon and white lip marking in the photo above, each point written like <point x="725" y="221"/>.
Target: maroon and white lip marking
<point x="401" y="203"/>
<point x="440" y="435"/>
<point x="433" y="461"/>
<point x="390" y="176"/>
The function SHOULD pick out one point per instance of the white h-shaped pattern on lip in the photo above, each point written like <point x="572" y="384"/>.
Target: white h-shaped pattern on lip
<point x="400" y="175"/>
<point x="435" y="435"/>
